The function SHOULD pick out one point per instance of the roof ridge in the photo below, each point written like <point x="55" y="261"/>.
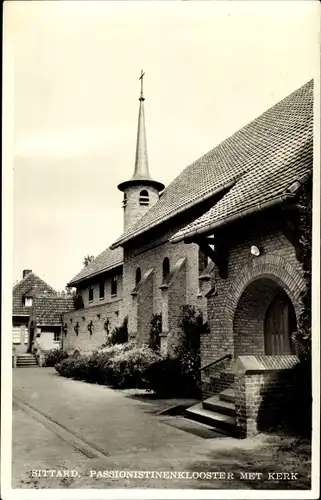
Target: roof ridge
<point x="24" y="279"/>
<point x="96" y="267"/>
<point x="28" y="276"/>
<point x="141" y="226"/>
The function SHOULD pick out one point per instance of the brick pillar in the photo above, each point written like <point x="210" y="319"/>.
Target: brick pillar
<point x="165" y="322"/>
<point x="142" y="309"/>
<point x="257" y="377"/>
<point x="132" y="318"/>
<point x="176" y="299"/>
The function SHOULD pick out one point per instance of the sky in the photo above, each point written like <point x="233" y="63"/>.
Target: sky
<point x="73" y="70"/>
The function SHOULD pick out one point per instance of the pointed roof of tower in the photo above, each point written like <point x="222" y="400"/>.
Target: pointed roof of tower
<point x="141" y="171"/>
<point x="261" y="148"/>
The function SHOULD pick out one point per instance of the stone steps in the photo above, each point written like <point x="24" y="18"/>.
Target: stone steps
<point x="216" y="404"/>
<point x="228" y="395"/>
<point x="217" y="411"/>
<point x="26" y="360"/>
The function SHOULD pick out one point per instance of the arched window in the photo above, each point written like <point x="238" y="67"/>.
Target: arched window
<point x="144" y="197"/>
<point x="138" y="276"/>
<point x="166" y="268"/>
<point x="125" y="200"/>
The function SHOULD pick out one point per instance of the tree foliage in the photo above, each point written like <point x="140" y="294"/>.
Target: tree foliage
<point x="87" y="259"/>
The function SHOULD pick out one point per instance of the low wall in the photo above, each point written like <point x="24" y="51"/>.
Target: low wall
<point x="82" y="338"/>
<point x="262" y="385"/>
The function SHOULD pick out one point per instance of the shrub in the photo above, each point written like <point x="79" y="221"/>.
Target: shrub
<point x="122" y="365"/>
<point x="66" y="367"/>
<point x="188" y="351"/>
<point x="164" y="377"/>
<point x="119" y="335"/>
<point x="179" y="375"/>
<point x="155" y="331"/>
<point x="54" y="356"/>
<point x="129" y="367"/>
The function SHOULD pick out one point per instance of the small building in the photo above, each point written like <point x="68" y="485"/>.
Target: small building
<point x="37" y="314"/>
<point x="45" y="323"/>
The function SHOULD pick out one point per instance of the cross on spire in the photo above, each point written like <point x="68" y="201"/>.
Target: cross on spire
<point x="142" y="74"/>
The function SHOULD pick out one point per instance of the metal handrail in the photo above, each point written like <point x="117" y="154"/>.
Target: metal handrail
<point x="227" y="356"/>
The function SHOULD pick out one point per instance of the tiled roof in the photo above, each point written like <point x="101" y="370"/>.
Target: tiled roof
<point x="251" y="149"/>
<point x="107" y="260"/>
<point x="31" y="286"/>
<point x="288" y="164"/>
<point x="48" y="309"/>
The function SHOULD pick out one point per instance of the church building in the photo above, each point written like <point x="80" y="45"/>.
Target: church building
<point x="222" y="237"/>
<point x="149" y="275"/>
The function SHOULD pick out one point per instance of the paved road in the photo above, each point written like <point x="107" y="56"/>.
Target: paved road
<point x="63" y="425"/>
<point x="111" y="430"/>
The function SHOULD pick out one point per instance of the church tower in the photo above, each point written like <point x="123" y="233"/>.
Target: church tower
<point x="141" y="191"/>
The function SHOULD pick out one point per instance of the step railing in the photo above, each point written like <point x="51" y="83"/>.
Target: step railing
<point x="209" y="365"/>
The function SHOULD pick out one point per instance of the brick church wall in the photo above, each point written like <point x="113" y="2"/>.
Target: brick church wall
<point x="277" y="266"/>
<point x="84" y="341"/>
<point x="150" y="255"/>
<point x="108" y="298"/>
<point x="143" y="303"/>
<point x="177" y="292"/>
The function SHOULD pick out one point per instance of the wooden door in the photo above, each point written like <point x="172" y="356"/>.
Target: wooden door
<point x="279" y="325"/>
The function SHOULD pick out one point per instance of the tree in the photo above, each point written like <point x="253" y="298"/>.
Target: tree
<point x="87" y="259"/>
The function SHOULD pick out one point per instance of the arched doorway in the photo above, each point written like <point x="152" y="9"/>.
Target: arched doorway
<point x="264" y="319"/>
<point x="279" y="324"/>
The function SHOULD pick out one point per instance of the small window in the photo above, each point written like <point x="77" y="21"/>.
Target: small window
<point x="202" y="261"/>
<point x="144" y="197"/>
<point x="101" y="289"/>
<point x="91" y="293"/>
<point x="28" y="301"/>
<point x="138" y="276"/>
<point x="57" y="336"/>
<point x="113" y="287"/>
<point x="166" y="268"/>
<point x="125" y="200"/>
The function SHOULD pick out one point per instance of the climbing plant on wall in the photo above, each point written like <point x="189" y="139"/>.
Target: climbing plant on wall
<point x="155" y="331"/>
<point x="302" y="337"/>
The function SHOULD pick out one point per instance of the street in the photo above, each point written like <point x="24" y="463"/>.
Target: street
<point x="70" y="434"/>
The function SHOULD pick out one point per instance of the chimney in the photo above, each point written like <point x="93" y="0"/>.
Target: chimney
<point x="25" y="272"/>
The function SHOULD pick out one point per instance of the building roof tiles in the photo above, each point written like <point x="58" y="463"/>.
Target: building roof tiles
<point x="261" y="145"/>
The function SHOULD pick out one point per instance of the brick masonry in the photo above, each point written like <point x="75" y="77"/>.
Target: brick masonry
<point x="237" y="307"/>
<point x="149" y="253"/>
<point x="259" y="392"/>
<point x="144" y="305"/>
<point x="108" y="298"/>
<point x="85" y="341"/>
<point x="132" y="208"/>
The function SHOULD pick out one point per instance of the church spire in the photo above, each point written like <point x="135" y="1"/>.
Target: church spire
<point x="141" y="170"/>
